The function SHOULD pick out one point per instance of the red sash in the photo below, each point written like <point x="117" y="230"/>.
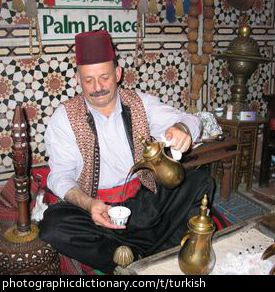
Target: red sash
<point x="113" y="195"/>
<point x="116" y="195"/>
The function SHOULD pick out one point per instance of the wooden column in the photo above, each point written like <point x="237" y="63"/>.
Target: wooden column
<point x="20" y="162"/>
<point x="24" y="231"/>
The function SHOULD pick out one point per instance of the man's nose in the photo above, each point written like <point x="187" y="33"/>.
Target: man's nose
<point x="98" y="85"/>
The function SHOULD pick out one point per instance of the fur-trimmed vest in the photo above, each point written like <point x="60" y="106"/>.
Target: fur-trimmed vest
<point x="136" y="124"/>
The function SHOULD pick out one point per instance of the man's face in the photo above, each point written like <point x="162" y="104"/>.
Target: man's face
<point x="99" y="83"/>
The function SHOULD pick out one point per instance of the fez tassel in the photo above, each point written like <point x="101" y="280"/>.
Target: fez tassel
<point x="49" y="3"/>
<point x="18" y="5"/>
<point x="152" y="7"/>
<point x="126" y="4"/>
<point x="142" y="7"/>
<point x="186" y="5"/>
<point x="170" y="11"/>
<point x="199" y="5"/>
<point x="179" y="8"/>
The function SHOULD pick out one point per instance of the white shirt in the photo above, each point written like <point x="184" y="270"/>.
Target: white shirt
<point x="116" y="159"/>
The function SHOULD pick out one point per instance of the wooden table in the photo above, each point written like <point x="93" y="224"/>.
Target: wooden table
<point x="224" y="151"/>
<point x="245" y="132"/>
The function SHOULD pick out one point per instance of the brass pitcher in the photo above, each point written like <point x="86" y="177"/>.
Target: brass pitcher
<point x="196" y="256"/>
<point x="167" y="171"/>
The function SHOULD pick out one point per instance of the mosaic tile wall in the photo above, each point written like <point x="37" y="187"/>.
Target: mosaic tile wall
<point x="41" y="84"/>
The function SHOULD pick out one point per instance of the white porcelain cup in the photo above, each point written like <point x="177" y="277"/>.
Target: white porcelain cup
<point x="119" y="215"/>
<point x="218" y="111"/>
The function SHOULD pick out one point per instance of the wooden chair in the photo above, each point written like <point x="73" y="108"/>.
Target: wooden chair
<point x="268" y="148"/>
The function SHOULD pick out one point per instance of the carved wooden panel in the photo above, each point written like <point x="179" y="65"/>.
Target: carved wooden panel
<point x="246" y="135"/>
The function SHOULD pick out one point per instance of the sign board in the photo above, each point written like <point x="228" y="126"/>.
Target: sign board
<point x="64" y="23"/>
<point x="89" y="3"/>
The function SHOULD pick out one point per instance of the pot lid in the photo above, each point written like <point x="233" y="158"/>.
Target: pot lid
<point x="244" y="44"/>
<point x="202" y="223"/>
<point x="150" y="148"/>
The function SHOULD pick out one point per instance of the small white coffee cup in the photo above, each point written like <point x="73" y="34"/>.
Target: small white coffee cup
<point x="119" y="215"/>
<point x="218" y="111"/>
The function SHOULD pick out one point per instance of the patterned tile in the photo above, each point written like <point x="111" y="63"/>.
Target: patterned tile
<point x="260" y="14"/>
<point x="163" y="74"/>
<point x="7" y="13"/>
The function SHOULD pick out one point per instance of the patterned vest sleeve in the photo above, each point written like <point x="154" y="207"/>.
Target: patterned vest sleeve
<point x="140" y="127"/>
<point x="85" y="138"/>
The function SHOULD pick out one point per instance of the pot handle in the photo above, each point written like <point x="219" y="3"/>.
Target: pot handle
<point x="184" y="239"/>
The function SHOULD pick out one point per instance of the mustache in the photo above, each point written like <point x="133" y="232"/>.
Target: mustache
<point x="99" y="93"/>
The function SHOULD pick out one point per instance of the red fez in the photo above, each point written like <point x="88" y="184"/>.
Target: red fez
<point x="93" y="47"/>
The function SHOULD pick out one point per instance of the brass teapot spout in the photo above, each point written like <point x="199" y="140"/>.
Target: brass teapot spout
<point x="166" y="170"/>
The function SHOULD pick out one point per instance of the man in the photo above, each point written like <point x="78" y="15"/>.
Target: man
<point x="92" y="142"/>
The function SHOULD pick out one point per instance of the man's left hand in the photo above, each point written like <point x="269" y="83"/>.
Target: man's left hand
<point x="180" y="139"/>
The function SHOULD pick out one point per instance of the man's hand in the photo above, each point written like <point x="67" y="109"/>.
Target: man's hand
<point x="97" y="209"/>
<point x="99" y="214"/>
<point x="179" y="137"/>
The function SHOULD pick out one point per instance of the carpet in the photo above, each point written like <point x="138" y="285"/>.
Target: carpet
<point x="238" y="208"/>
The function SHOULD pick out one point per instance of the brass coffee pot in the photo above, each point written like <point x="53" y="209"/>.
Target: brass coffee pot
<point x="196" y="256"/>
<point x="167" y="171"/>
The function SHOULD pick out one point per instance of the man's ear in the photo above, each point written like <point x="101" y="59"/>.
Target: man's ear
<point x="77" y="76"/>
<point x="118" y="73"/>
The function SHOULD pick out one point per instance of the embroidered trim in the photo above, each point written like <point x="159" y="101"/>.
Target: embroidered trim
<point x="86" y="140"/>
<point x="140" y="127"/>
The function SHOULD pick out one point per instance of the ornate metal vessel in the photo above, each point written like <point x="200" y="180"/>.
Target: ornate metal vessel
<point x="123" y="256"/>
<point x="167" y="171"/>
<point x="196" y="256"/>
<point x="243" y="58"/>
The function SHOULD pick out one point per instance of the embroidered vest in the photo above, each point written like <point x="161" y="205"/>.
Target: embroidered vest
<point x="86" y="138"/>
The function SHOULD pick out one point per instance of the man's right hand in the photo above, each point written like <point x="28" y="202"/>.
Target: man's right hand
<point x="99" y="214"/>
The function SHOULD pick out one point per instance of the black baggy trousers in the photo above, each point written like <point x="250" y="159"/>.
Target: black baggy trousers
<point x="158" y="221"/>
